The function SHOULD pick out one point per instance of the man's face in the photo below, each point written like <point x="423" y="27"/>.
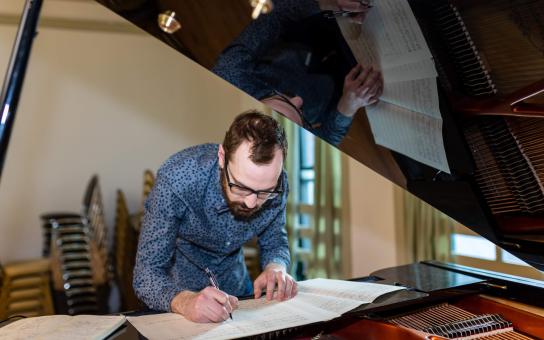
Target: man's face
<point x="243" y="172"/>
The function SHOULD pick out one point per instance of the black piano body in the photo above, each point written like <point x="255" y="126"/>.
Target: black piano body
<point x="489" y="110"/>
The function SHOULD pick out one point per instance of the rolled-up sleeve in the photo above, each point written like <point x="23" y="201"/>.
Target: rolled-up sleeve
<point x="152" y="281"/>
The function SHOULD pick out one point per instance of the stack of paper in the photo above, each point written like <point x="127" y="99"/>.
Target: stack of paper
<point x="317" y="300"/>
<point x="407" y="119"/>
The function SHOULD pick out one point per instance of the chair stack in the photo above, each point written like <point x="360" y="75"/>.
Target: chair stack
<point x="127" y="231"/>
<point x="25" y="289"/>
<point x="76" y="244"/>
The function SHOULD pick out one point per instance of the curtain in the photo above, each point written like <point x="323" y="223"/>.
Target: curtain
<point x="426" y="230"/>
<point x="327" y="219"/>
<point x="324" y="259"/>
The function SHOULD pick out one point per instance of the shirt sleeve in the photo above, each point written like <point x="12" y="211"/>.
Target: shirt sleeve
<point x="273" y="240"/>
<point x="238" y="62"/>
<point x="334" y="128"/>
<point x="152" y="281"/>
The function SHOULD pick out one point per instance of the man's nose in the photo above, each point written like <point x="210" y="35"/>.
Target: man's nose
<point x="251" y="201"/>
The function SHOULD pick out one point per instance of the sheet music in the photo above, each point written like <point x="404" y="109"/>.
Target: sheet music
<point x="391" y="39"/>
<point x="55" y="327"/>
<point x="364" y="292"/>
<point x="317" y="300"/>
<point x="420" y="95"/>
<point x="389" y="36"/>
<point x="419" y="70"/>
<point x="413" y="134"/>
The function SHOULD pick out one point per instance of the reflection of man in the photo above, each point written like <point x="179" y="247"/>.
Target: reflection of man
<point x="207" y="202"/>
<point x="280" y="59"/>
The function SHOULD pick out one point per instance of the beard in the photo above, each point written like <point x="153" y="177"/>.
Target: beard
<point x="238" y="209"/>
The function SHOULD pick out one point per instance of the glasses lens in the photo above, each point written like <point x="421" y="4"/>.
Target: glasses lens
<point x="240" y="191"/>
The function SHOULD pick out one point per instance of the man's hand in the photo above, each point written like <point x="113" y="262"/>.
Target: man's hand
<point x="358" y="6"/>
<point x="208" y="305"/>
<point x="275" y="276"/>
<point x="362" y="86"/>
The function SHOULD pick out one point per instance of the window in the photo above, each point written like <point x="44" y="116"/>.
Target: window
<point x="471" y="249"/>
<point x="304" y="166"/>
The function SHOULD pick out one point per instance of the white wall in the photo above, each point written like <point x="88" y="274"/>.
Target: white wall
<point x="99" y="102"/>
<point x="372" y="215"/>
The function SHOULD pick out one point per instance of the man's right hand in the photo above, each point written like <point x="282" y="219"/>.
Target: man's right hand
<point x="208" y="305"/>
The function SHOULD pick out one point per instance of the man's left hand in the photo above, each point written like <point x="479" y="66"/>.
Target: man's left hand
<point x="273" y="277"/>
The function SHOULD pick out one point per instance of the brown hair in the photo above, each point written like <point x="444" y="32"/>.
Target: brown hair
<point x="263" y="132"/>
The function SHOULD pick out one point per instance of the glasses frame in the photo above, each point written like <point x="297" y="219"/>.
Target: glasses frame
<point x="271" y="194"/>
<point x="284" y="98"/>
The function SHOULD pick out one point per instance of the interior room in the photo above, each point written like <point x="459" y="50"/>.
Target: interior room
<point x="104" y="104"/>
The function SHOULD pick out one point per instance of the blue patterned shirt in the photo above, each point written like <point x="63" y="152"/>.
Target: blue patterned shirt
<point x="188" y="226"/>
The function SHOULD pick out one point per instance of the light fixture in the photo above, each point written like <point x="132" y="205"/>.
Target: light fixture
<point x="168" y="22"/>
<point x="260" y="6"/>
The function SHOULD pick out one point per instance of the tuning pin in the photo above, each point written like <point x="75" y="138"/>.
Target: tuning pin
<point x="260" y="6"/>
<point x="168" y="22"/>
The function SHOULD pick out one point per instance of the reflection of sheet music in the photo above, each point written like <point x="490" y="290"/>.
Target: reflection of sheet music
<point x="408" y="119"/>
<point x="318" y="300"/>
<point x="413" y="134"/>
<point x="418" y="70"/>
<point x="420" y="95"/>
<point x="389" y="36"/>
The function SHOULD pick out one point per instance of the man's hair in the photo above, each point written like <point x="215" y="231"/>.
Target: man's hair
<point x="263" y="132"/>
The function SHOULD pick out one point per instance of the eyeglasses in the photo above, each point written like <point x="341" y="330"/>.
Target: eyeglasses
<point x="243" y="191"/>
<point x="306" y="124"/>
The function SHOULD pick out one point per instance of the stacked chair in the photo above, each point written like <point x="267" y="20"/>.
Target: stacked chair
<point x="76" y="244"/>
<point x="25" y="289"/>
<point x="127" y="230"/>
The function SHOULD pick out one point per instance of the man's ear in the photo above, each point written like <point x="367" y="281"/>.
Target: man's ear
<point x="221" y="156"/>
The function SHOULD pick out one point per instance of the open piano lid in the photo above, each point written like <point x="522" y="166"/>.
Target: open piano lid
<point x="493" y="134"/>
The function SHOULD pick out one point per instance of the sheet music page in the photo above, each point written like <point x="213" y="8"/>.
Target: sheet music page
<point x="252" y="317"/>
<point x="389" y="36"/>
<point x="317" y="300"/>
<point x="420" y="95"/>
<point x="410" y="133"/>
<point x="363" y="292"/>
<point x="419" y="70"/>
<point x="53" y="327"/>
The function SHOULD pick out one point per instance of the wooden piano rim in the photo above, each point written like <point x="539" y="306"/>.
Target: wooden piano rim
<point x="525" y="322"/>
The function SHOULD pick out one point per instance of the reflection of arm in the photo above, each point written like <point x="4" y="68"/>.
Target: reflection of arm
<point x="238" y="61"/>
<point x="333" y="128"/>
<point x="152" y="282"/>
<point x="273" y="242"/>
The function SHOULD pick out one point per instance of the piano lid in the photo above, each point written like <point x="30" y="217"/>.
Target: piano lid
<point x="487" y="57"/>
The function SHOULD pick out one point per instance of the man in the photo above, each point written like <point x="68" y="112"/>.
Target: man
<point x="207" y="202"/>
<point x="294" y="56"/>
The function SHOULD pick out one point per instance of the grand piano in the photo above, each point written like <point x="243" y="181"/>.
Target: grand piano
<point x="489" y="57"/>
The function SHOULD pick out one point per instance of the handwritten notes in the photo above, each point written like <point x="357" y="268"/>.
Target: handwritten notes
<point x="317" y="300"/>
<point x="62" y="327"/>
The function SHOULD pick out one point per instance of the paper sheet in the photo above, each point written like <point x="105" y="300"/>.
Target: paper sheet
<point x="317" y="300"/>
<point x="420" y="95"/>
<point x="388" y="37"/>
<point x="413" y="134"/>
<point x="408" y="118"/>
<point x="53" y="327"/>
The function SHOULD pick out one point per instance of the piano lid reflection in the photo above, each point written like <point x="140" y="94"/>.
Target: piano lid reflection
<point x="490" y="60"/>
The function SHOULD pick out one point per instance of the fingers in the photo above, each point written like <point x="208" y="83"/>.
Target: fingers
<point x="258" y="286"/>
<point x="233" y="301"/>
<point x="270" y="284"/>
<point x="280" y="278"/>
<point x="219" y="305"/>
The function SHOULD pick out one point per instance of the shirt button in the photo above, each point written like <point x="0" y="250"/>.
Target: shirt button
<point x="227" y="243"/>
